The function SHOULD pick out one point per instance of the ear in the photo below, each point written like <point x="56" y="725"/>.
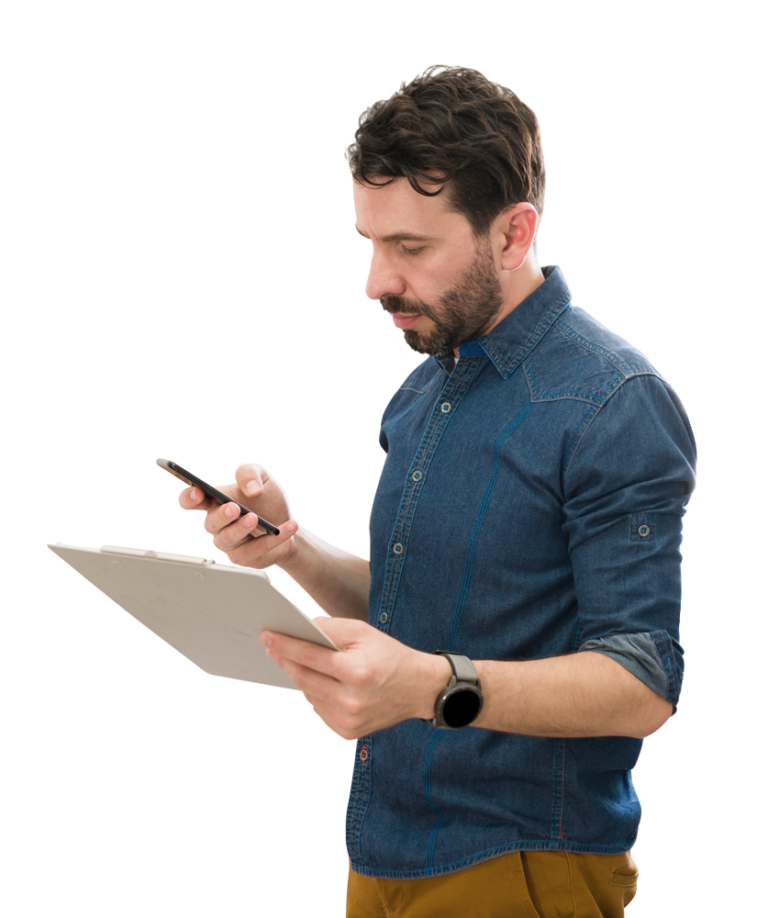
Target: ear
<point x="515" y="229"/>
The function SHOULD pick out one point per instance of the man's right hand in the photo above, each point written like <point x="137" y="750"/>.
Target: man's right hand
<point x="244" y="542"/>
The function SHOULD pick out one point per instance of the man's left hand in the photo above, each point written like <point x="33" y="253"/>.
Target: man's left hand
<point x="375" y="683"/>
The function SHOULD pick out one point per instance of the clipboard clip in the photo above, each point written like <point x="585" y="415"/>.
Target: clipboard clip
<point x="157" y="555"/>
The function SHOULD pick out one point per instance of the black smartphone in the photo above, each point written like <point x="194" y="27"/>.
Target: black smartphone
<point x="194" y="481"/>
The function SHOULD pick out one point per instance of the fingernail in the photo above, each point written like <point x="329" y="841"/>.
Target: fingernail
<point x="249" y="521"/>
<point x="193" y="494"/>
<point x="266" y="639"/>
<point x="230" y="510"/>
<point x="252" y="488"/>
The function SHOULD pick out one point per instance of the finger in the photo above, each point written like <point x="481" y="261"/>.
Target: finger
<point x="247" y="538"/>
<point x="306" y="680"/>
<point x="195" y="499"/>
<point x="250" y="479"/>
<point x="305" y="654"/>
<point x="221" y="516"/>
<point x="252" y="548"/>
<point x="266" y="542"/>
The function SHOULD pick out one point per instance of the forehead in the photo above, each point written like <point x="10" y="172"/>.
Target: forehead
<point x="384" y="210"/>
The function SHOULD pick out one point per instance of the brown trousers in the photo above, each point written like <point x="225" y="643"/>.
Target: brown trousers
<point x="528" y="884"/>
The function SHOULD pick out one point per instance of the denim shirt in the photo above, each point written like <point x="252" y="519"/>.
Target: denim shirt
<point x="530" y="506"/>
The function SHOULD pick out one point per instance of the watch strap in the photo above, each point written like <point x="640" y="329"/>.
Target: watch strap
<point x="463" y="668"/>
<point x="464" y="679"/>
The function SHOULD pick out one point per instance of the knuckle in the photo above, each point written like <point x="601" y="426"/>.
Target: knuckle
<point x="308" y="657"/>
<point x="361" y="676"/>
<point x="352" y="707"/>
<point x="209" y="525"/>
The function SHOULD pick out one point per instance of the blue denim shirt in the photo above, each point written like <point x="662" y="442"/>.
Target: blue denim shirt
<point x="530" y="506"/>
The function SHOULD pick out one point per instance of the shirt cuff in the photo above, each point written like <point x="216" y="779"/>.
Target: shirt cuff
<point x="640" y="654"/>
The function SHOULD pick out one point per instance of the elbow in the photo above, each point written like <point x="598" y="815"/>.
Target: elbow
<point x="654" y="715"/>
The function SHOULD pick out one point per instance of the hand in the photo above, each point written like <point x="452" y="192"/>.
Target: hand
<point x="375" y="683"/>
<point x="257" y="490"/>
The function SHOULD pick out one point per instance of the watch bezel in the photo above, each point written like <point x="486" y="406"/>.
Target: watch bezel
<point x="450" y="691"/>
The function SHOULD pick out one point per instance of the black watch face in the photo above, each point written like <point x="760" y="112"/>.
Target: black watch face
<point x="461" y="707"/>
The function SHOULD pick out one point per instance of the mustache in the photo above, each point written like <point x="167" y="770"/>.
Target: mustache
<point x="398" y="304"/>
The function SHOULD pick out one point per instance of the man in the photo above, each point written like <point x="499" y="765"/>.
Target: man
<point x="527" y="524"/>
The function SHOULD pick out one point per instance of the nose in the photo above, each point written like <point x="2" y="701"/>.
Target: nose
<point x="383" y="278"/>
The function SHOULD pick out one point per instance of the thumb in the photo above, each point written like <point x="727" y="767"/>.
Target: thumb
<point x="343" y="631"/>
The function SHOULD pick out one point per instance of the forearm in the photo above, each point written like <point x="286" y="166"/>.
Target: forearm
<point x="582" y="694"/>
<point x="338" y="581"/>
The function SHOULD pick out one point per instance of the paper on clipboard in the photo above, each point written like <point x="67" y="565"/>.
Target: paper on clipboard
<point x="211" y="613"/>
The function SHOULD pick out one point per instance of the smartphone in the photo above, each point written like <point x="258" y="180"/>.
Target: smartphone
<point x="194" y="481"/>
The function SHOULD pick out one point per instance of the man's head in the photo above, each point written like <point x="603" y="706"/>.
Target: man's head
<point x="449" y="181"/>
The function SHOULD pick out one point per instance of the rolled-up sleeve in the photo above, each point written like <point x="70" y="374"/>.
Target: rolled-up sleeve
<point x="627" y="480"/>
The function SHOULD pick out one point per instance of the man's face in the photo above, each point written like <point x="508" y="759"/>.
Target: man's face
<point x="438" y="281"/>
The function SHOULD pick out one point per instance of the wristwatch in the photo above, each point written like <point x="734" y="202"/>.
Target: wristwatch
<point x="459" y="703"/>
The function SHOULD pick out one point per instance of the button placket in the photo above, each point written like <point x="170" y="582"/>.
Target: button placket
<point x="417" y="476"/>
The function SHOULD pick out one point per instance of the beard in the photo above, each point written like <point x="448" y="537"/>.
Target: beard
<point x="461" y="314"/>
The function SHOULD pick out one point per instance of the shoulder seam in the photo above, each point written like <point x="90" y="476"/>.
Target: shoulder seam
<point x="600" y="402"/>
<point x="611" y="356"/>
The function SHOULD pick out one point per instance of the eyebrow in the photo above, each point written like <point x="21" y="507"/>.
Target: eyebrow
<point x="400" y="237"/>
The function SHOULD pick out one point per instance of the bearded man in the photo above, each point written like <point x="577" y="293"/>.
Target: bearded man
<point x="515" y="635"/>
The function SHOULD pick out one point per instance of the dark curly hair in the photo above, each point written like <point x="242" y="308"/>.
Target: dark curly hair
<point x="453" y="127"/>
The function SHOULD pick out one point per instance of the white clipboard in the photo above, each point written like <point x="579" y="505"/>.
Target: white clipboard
<point x="211" y="613"/>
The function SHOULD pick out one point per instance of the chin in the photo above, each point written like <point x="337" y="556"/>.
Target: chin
<point x="417" y="342"/>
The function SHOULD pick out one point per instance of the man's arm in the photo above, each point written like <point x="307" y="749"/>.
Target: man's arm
<point x="337" y="581"/>
<point x="378" y="682"/>
<point x="582" y="694"/>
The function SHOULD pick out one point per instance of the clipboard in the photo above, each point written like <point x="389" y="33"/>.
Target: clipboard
<point x="212" y="613"/>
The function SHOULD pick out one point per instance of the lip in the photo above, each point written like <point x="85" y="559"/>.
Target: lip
<point x="403" y="320"/>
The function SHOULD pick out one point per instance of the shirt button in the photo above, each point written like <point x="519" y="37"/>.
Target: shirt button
<point x="445" y="407"/>
<point x="364" y="754"/>
<point x="398" y="549"/>
<point x="417" y="476"/>
<point x="644" y="531"/>
<point x="383" y="617"/>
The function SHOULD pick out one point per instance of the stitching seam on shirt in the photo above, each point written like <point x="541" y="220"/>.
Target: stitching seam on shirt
<point x="521" y="353"/>
<point x="559" y="801"/>
<point x="405" y="410"/>
<point x="480" y="519"/>
<point x="428" y="797"/>
<point x="617" y="383"/>
<point x="366" y="780"/>
<point x="612" y="357"/>
<point x="536" y="396"/>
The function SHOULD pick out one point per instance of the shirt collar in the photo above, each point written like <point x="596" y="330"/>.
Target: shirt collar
<point x="508" y="344"/>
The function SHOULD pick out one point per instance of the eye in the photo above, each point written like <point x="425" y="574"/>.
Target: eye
<point x="406" y="251"/>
